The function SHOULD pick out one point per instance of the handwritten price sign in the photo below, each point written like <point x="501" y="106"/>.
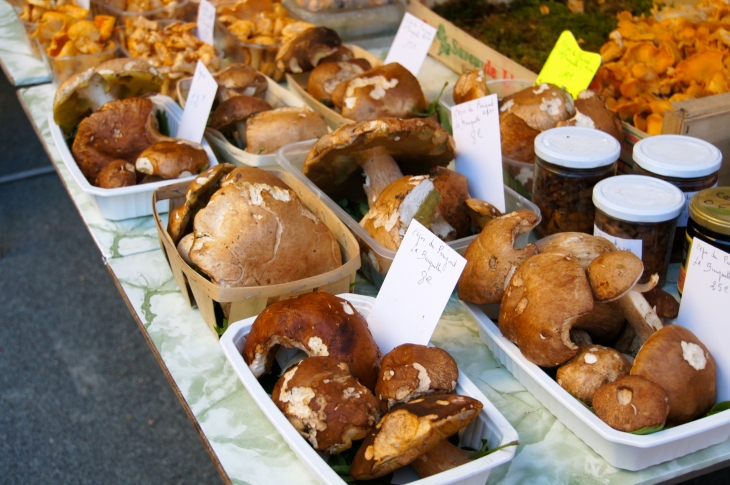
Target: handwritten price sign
<point x="411" y="43"/>
<point x="415" y="291"/>
<point x="705" y="303"/>
<point x="570" y="66"/>
<point x="206" y="21"/>
<point x="197" y="105"/>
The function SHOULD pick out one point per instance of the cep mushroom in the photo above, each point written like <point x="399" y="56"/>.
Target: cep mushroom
<point x="541" y="107"/>
<point x="454" y="190"/>
<point x="306" y="50"/>
<point x="325" y="77"/>
<point x="232" y="114"/>
<point x="631" y="403"/>
<point x="172" y="159"/>
<point x="119" y="173"/>
<point x="410" y="430"/>
<point x="268" y="131"/>
<point x="472" y="84"/>
<point x="480" y="212"/>
<point x="239" y="80"/>
<point x="326" y="404"/>
<point x="591" y="112"/>
<point x="590" y="369"/>
<point x="517" y="138"/>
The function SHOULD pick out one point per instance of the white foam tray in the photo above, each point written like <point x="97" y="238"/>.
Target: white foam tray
<point x="489" y="425"/>
<point x="622" y="450"/>
<point x="125" y="202"/>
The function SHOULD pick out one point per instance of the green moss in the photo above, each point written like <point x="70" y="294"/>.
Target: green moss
<point x="521" y="32"/>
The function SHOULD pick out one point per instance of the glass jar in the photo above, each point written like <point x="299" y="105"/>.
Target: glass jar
<point x="709" y="220"/>
<point x="688" y="163"/>
<point x="569" y="162"/>
<point x="639" y="214"/>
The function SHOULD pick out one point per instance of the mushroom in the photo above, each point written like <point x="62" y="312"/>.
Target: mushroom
<point x="172" y="159"/>
<point x="411" y="371"/>
<point x="337" y="161"/>
<point x="676" y="360"/>
<point x="318" y="324"/>
<point x="517" y="138"/>
<point x="305" y="51"/>
<point x="590" y="369"/>
<point x="344" y="53"/>
<point x="184" y="247"/>
<point x="326" y="404"/>
<point x="663" y="303"/>
<point x="239" y="80"/>
<point x="491" y="257"/>
<point x="119" y="173"/>
<point x="325" y="77"/>
<point x="604" y="323"/>
<point x="545" y="296"/>
<point x="454" y="190"/>
<point x="631" y="403"/>
<point x="410" y="430"/>
<point x="268" y="131"/>
<point x="541" y="107"/>
<point x="480" y="212"/>
<point x="591" y="112"/>
<point x="583" y="247"/>
<point x="472" y="84"/>
<point x="384" y="91"/>
<point x="232" y="114"/>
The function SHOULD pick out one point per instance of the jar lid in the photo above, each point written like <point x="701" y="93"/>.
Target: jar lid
<point x="710" y="208"/>
<point x="677" y="156"/>
<point x="638" y="198"/>
<point x="577" y="147"/>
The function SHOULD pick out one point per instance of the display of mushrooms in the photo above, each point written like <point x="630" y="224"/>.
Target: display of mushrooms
<point x="306" y="50"/>
<point x="471" y="85"/>
<point x="325" y="77"/>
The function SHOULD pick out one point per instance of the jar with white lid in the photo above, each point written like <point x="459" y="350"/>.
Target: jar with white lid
<point x="569" y="162"/>
<point x="688" y="163"/>
<point x="639" y="214"/>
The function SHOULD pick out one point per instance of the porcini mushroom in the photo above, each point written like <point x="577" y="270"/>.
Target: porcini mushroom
<point x="590" y="369"/>
<point x="472" y="84"/>
<point x="325" y="77"/>
<point x="454" y="190"/>
<point x="631" y="403"/>
<point x="172" y="159"/>
<point x="583" y="247"/>
<point x="239" y="80"/>
<point x="480" y="212"/>
<point x="541" y="107"/>
<point x="268" y="131"/>
<point x="119" y="173"/>
<point x="305" y="51"/>
<point x="517" y="138"/>
<point x="232" y="114"/>
<point x="591" y="112"/>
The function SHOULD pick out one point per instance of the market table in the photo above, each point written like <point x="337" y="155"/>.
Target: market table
<point x="243" y="444"/>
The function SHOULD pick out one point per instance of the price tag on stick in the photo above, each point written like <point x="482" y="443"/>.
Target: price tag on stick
<point x="570" y="66"/>
<point x="415" y="291"/>
<point x="705" y="303"/>
<point x="197" y="105"/>
<point x="479" y="149"/>
<point x="411" y="44"/>
<point x="206" y="22"/>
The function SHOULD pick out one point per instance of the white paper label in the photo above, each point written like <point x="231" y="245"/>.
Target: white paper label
<point x="478" y="148"/>
<point x="633" y="245"/>
<point x="704" y="307"/>
<point x="206" y="22"/>
<point x="84" y="4"/>
<point x="197" y="105"/>
<point x="411" y="44"/>
<point x="416" y="289"/>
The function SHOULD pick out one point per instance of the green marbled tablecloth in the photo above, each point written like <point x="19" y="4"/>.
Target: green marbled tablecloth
<point x="19" y="62"/>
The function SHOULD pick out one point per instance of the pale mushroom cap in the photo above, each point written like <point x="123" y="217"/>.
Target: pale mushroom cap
<point x="631" y="403"/>
<point x="584" y="247"/>
<point x="241" y="79"/>
<point x="325" y="77"/>
<point x="612" y="274"/>
<point x="268" y="131"/>
<point x="591" y="368"/>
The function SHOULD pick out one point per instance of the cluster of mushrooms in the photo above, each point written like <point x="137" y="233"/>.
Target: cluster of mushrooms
<point x="242" y="113"/>
<point x="116" y="135"/>
<point x="565" y="302"/>
<point x="243" y="226"/>
<point x="401" y="405"/>
<point x="336" y="78"/>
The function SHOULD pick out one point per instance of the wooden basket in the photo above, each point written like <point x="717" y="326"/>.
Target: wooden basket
<point x="249" y="301"/>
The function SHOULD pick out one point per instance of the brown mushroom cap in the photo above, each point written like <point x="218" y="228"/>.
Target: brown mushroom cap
<point x="319" y="324"/>
<point x="172" y="159"/>
<point x="664" y="304"/>
<point x="676" y="360"/>
<point x="591" y="112"/>
<point x="541" y="107"/>
<point x="612" y="274"/>
<point x="384" y="91"/>
<point x="584" y="247"/>
<point x="410" y="371"/>
<point x="491" y="257"/>
<point x="252" y="175"/>
<point x="333" y="164"/>
<point x="544" y="297"/>
<point x="305" y="51"/>
<point x="240" y="80"/>
<point x="604" y="323"/>
<point x="343" y="53"/>
<point x="268" y="131"/>
<point x="631" y="403"/>
<point x="119" y="173"/>
<point x="324" y="78"/>
<point x="471" y="85"/>
<point x="591" y="368"/>
<point x="454" y="191"/>
<point x="517" y="138"/>
<point x="235" y="109"/>
<point x="326" y="404"/>
<point x="409" y="430"/>
<point x="480" y="212"/>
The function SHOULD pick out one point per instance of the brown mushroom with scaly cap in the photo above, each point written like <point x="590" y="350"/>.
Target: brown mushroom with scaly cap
<point x="172" y="159"/>
<point x="305" y="51"/>
<point x="541" y="107"/>
<point x="454" y="190"/>
<point x="590" y="369"/>
<point x="471" y="85"/>
<point x="631" y="403"/>
<point x="325" y="77"/>
<point x="268" y="131"/>
<point x="517" y="138"/>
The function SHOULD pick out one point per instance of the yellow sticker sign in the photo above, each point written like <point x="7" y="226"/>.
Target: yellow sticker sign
<point x="569" y="66"/>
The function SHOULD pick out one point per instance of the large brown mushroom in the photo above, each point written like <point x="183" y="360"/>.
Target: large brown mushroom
<point x="119" y="173"/>
<point x="239" y="80"/>
<point x="232" y="114"/>
<point x="590" y="369"/>
<point x="454" y="191"/>
<point x="541" y="107"/>
<point x="471" y="85"/>
<point x="631" y="403"/>
<point x="268" y="131"/>
<point x="591" y="112"/>
<point x="172" y="159"/>
<point x="325" y="77"/>
<point x="517" y="138"/>
<point x="305" y="51"/>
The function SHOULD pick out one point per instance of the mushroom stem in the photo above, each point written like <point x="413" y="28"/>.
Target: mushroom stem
<point x="444" y="456"/>
<point x="640" y="314"/>
<point x="648" y="286"/>
<point x="241" y="129"/>
<point x="96" y="93"/>
<point x="380" y="171"/>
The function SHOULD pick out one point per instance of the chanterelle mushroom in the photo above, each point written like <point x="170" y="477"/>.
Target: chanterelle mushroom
<point x="326" y="404"/>
<point x="631" y="403"/>
<point x="593" y="367"/>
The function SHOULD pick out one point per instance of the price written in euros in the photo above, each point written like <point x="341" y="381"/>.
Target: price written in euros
<point x="717" y="265"/>
<point x="431" y="252"/>
<point x="471" y="116"/>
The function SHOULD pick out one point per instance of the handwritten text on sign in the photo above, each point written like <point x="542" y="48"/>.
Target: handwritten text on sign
<point x="206" y="21"/>
<point x="478" y="148"/>
<point x="416" y="289"/>
<point x="197" y="105"/>
<point x="705" y="301"/>
<point x="570" y="66"/>
<point x="411" y="44"/>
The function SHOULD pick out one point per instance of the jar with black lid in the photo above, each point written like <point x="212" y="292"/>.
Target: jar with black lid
<point x="709" y="220"/>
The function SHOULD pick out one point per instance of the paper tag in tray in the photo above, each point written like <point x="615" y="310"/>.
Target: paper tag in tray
<point x="86" y="4"/>
<point x="569" y="66"/>
<point x="206" y="22"/>
<point x="704" y="307"/>
<point x="411" y="44"/>
<point x="416" y="289"/>
<point x="197" y="105"/>
<point x="478" y="148"/>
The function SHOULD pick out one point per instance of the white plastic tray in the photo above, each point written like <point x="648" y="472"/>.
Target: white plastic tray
<point x="125" y="202"/>
<point x="489" y="425"/>
<point x="620" y="449"/>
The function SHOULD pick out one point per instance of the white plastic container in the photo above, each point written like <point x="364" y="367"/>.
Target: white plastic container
<point x="291" y="158"/>
<point x="622" y="450"/>
<point x="125" y="202"/>
<point x="489" y="424"/>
